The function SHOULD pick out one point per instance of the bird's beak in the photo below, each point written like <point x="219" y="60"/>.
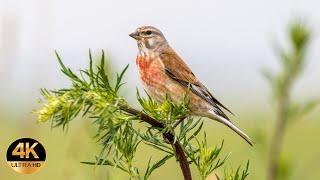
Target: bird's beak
<point x="134" y="35"/>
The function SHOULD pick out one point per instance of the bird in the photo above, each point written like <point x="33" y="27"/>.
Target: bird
<point x="164" y="73"/>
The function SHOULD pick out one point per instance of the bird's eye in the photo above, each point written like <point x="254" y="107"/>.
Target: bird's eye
<point x="148" y="32"/>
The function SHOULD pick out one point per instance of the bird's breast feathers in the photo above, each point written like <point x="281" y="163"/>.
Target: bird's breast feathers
<point x="156" y="81"/>
<point x="151" y="70"/>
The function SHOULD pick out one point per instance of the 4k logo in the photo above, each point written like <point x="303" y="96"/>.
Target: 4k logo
<point x="26" y="155"/>
<point x="19" y="150"/>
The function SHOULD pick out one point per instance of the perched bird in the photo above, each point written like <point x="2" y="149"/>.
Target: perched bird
<point x="164" y="73"/>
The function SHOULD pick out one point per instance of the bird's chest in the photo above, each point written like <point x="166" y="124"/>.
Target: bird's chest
<point x="151" y="70"/>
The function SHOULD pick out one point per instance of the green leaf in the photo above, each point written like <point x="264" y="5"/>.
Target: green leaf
<point x="267" y="74"/>
<point x="119" y="79"/>
<point x="152" y="167"/>
<point x="297" y="110"/>
<point x="238" y="175"/>
<point x="104" y="162"/>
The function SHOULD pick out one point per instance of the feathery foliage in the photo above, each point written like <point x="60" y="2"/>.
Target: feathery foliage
<point x="169" y="127"/>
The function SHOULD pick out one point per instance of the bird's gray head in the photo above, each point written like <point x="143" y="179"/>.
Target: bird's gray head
<point x="148" y="38"/>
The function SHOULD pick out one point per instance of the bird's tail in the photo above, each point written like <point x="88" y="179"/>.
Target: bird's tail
<point x="231" y="126"/>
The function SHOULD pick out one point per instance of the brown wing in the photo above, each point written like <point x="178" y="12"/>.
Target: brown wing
<point x="178" y="70"/>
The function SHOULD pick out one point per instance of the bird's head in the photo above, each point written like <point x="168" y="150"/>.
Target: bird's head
<point x="148" y="37"/>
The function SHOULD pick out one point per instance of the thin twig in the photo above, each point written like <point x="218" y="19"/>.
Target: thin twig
<point x="179" y="152"/>
<point x="178" y="122"/>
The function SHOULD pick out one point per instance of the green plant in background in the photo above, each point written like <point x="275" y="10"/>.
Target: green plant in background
<point x="292" y="64"/>
<point x="169" y="128"/>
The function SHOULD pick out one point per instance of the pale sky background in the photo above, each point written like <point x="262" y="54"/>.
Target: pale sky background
<point x="226" y="43"/>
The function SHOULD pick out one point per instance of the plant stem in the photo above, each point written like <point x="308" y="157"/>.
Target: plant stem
<point x="279" y="133"/>
<point x="178" y="122"/>
<point x="179" y="152"/>
<point x="276" y="145"/>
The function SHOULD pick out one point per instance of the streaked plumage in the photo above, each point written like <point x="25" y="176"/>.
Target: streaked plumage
<point x="164" y="73"/>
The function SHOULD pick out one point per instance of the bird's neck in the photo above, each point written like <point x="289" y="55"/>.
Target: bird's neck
<point x="145" y="52"/>
<point x="151" y="53"/>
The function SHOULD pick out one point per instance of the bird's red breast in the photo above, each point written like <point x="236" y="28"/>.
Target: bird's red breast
<point x="150" y="70"/>
<point x="142" y="63"/>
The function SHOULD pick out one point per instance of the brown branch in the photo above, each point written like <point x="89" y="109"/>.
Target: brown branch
<point x="178" y="122"/>
<point x="179" y="152"/>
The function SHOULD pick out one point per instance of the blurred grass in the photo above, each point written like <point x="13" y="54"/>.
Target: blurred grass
<point x="66" y="150"/>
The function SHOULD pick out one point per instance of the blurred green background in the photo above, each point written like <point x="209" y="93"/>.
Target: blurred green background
<point x="66" y="150"/>
<point x="226" y="43"/>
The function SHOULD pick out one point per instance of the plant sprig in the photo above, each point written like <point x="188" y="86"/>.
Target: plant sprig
<point x="292" y="63"/>
<point x="170" y="129"/>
